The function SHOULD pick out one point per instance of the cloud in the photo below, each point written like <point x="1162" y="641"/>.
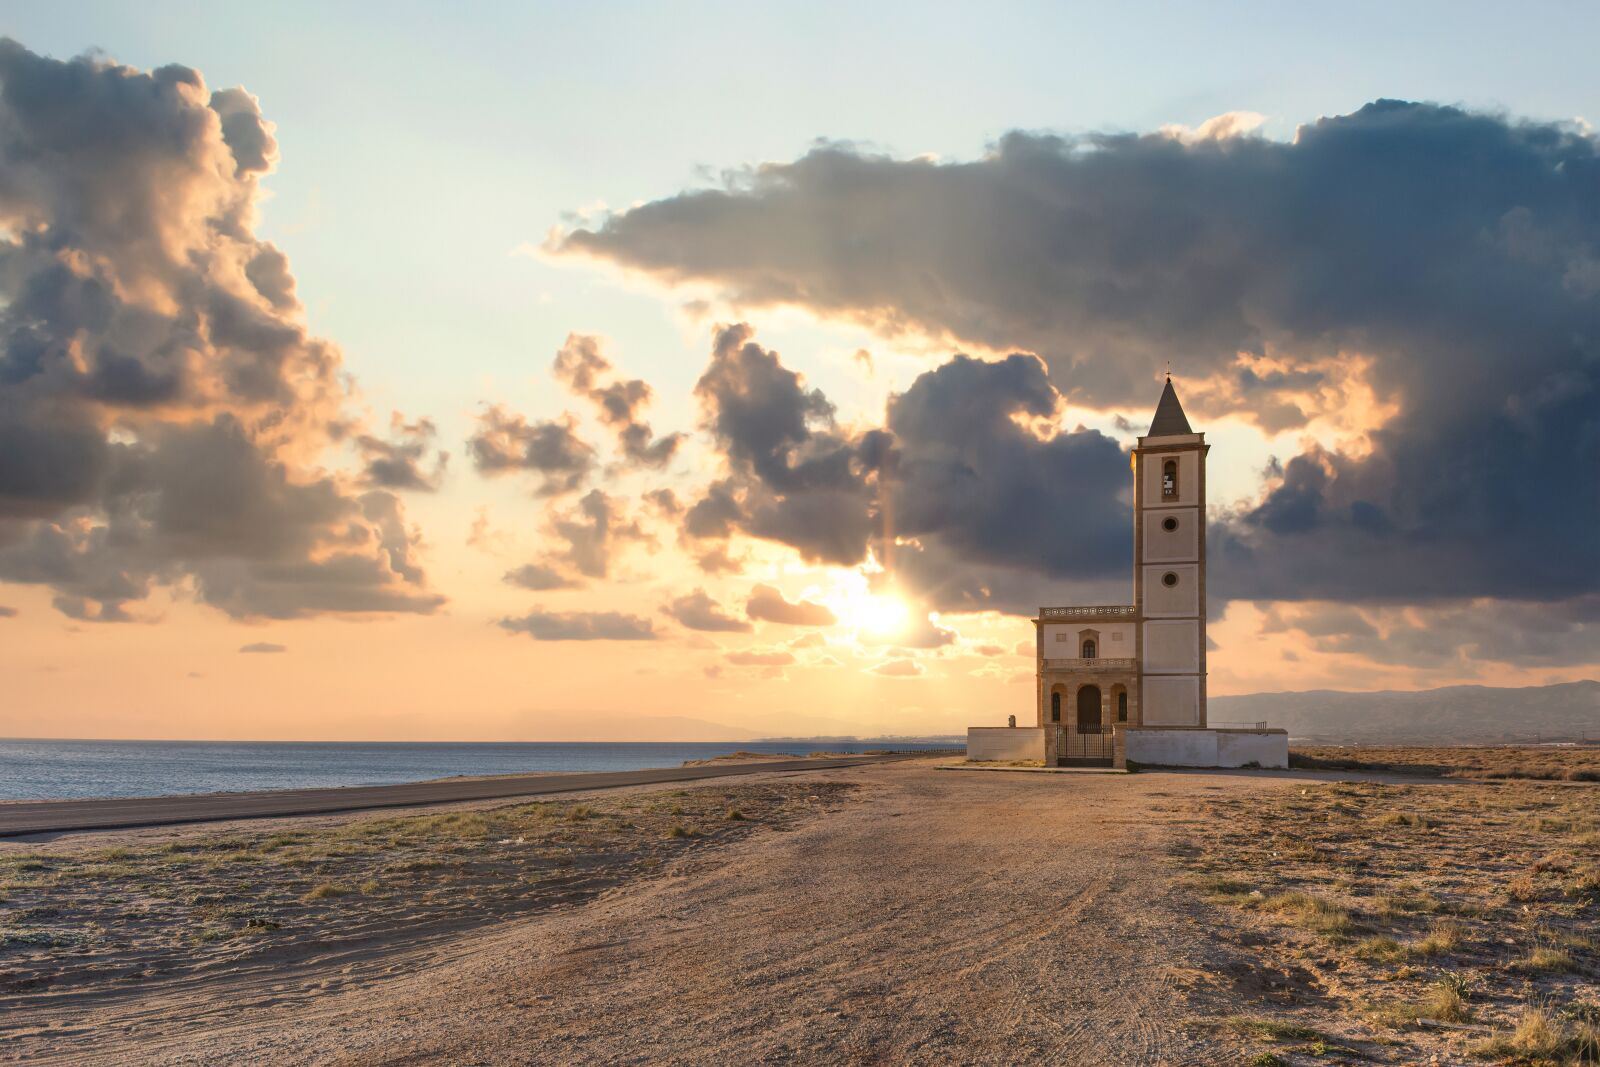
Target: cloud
<point x="760" y="659"/>
<point x="664" y="502"/>
<point x="397" y="463"/>
<point x="581" y="367"/>
<point x="1445" y="258"/>
<point x="539" y="577"/>
<point x="795" y="479"/>
<point x="989" y="650"/>
<point x="7" y="612"/>
<point x="162" y="405"/>
<point x="922" y="633"/>
<point x="768" y="604"/>
<point x="551" y="450"/>
<point x="593" y="533"/>
<point x="263" y="646"/>
<point x="898" y="668"/>
<point x="957" y="466"/>
<point x="1456" y="636"/>
<point x="698" y="611"/>
<point x="579" y="626"/>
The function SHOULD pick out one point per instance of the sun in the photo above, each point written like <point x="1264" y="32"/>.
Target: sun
<point x="880" y="614"/>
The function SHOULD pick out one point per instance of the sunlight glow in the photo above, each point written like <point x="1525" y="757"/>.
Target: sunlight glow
<point x="878" y="614"/>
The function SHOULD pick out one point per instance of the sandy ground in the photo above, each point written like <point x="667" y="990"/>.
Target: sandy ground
<point x="939" y="916"/>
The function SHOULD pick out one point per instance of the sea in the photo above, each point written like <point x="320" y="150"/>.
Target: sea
<point x="61" y="770"/>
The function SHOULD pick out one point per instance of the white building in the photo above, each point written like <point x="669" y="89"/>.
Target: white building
<point x="1119" y="683"/>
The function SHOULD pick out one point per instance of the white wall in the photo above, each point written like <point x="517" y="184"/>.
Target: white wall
<point x="1005" y="743"/>
<point x="1172" y="646"/>
<point x="1180" y="599"/>
<point x="1182" y="543"/>
<point x="1170" y="701"/>
<point x="1235" y="748"/>
<point x="1061" y="639"/>
<point x="1207" y="748"/>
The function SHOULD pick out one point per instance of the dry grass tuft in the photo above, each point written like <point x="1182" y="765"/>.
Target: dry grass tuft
<point x="1311" y="912"/>
<point x="1405" y="818"/>
<point x="327" y="891"/>
<point x="1523" y="888"/>
<point x="1546" y="958"/>
<point x="1445" y="936"/>
<point x="1447" y="1000"/>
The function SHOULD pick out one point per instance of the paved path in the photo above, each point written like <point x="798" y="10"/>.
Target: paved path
<point x="60" y="816"/>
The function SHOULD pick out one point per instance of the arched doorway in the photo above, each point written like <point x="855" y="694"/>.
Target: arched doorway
<point x="1089" y="709"/>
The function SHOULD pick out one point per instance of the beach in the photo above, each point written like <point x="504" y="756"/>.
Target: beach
<point x="904" y="912"/>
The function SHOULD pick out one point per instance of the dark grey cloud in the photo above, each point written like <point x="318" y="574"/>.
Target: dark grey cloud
<point x="795" y="477"/>
<point x="507" y="442"/>
<point x="263" y="647"/>
<point x="540" y="577"/>
<point x="401" y="461"/>
<point x="1456" y="254"/>
<point x="768" y="604"/>
<point x="161" y="403"/>
<point x="964" y="502"/>
<point x="698" y="611"/>
<point x="7" y="612"/>
<point x="580" y="626"/>
<point x="582" y="367"/>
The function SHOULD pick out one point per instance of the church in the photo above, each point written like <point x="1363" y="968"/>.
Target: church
<point x="1120" y="684"/>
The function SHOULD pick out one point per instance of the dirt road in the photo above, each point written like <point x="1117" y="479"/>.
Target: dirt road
<point x="939" y="917"/>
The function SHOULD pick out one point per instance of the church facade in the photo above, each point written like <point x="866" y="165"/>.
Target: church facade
<point x="1142" y="663"/>
<point x="1126" y="683"/>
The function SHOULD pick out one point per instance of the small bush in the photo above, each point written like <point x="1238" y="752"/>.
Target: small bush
<point x="734" y="815"/>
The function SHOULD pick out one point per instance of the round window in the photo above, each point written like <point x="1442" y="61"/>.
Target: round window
<point x="1169" y="579"/>
<point x="1169" y="524"/>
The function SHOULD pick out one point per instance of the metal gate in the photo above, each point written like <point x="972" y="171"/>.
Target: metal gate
<point x="1086" y="743"/>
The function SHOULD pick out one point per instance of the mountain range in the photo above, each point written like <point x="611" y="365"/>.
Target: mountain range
<point x="1454" y="714"/>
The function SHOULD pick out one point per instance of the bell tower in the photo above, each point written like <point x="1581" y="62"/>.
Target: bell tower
<point x="1169" y="567"/>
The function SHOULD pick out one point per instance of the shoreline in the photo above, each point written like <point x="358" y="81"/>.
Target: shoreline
<point x="29" y="818"/>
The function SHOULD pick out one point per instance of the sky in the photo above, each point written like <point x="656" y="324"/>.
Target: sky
<point x="553" y="372"/>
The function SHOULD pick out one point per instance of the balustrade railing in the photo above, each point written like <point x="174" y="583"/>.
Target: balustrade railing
<point x="1092" y="611"/>
<point x="1096" y="664"/>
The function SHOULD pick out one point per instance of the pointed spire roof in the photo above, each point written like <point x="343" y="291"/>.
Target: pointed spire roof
<point x="1170" y="419"/>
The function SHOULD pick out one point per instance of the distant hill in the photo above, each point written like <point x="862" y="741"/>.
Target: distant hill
<point x="1455" y="714"/>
